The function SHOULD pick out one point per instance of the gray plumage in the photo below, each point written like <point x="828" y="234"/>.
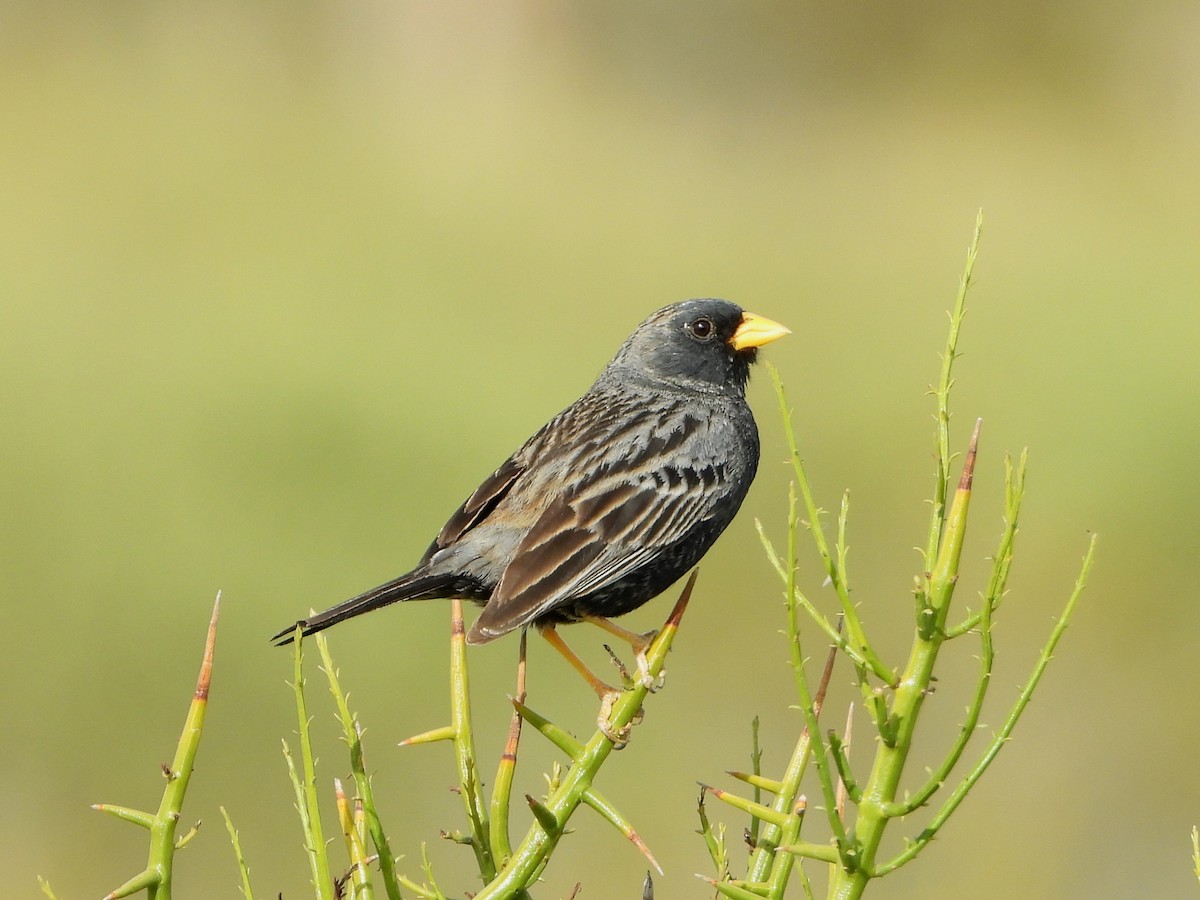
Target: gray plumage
<point x="615" y="498"/>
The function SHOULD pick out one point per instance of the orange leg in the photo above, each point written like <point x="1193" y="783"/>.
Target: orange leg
<point x="639" y="643"/>
<point x="608" y="695"/>
<point x="603" y="691"/>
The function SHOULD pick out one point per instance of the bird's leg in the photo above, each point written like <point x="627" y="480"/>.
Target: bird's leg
<point x="639" y="643"/>
<point x="555" y="640"/>
<point x="608" y="695"/>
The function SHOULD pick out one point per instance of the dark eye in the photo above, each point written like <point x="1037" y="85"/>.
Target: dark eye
<point x="702" y="328"/>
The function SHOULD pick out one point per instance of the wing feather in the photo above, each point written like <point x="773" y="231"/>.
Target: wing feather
<point x="478" y="506"/>
<point x="612" y="524"/>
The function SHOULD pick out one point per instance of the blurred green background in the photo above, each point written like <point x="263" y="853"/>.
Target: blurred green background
<point x="282" y="281"/>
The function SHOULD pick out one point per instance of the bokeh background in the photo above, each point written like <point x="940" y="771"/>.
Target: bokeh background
<point x="281" y="281"/>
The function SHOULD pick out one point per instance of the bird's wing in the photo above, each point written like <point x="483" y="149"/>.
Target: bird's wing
<point x="477" y="507"/>
<point x="612" y="524"/>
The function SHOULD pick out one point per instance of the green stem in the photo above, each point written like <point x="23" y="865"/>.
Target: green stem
<point x="243" y="868"/>
<point x="767" y="845"/>
<point x="1014" y="489"/>
<point x="156" y="879"/>
<point x="757" y="781"/>
<point x="879" y="793"/>
<point x="1010" y="723"/>
<point x="942" y="395"/>
<point x="859" y="646"/>
<point x="502" y="791"/>
<point x="318" y="857"/>
<point x="528" y="860"/>
<point x="767" y="866"/>
<point x="352" y="734"/>
<point x="359" y="880"/>
<point x="464" y="747"/>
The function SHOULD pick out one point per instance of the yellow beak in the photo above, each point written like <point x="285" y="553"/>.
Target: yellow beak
<point x="756" y="331"/>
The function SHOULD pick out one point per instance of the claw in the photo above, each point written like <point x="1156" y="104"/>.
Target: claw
<point x="618" y="736"/>
<point x="650" y="682"/>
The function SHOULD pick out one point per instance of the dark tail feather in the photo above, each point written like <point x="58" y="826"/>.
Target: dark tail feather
<point x="413" y="586"/>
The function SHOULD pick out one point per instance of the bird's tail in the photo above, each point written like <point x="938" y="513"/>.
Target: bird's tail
<point x="416" y="585"/>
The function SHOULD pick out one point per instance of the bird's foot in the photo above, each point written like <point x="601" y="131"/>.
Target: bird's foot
<point x="651" y="682"/>
<point x="618" y="736"/>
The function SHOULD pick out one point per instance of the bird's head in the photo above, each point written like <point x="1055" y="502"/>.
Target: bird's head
<point x="704" y="344"/>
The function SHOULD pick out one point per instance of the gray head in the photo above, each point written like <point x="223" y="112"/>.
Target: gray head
<point x="705" y="345"/>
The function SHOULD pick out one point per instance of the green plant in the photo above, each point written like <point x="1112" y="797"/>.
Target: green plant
<point x="857" y="811"/>
<point x="505" y="871"/>
<point x="158" y="876"/>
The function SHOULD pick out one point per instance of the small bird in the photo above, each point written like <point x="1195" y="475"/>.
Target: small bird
<point x="613" y="500"/>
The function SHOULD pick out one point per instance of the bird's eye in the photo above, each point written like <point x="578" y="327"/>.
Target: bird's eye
<point x="702" y="328"/>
